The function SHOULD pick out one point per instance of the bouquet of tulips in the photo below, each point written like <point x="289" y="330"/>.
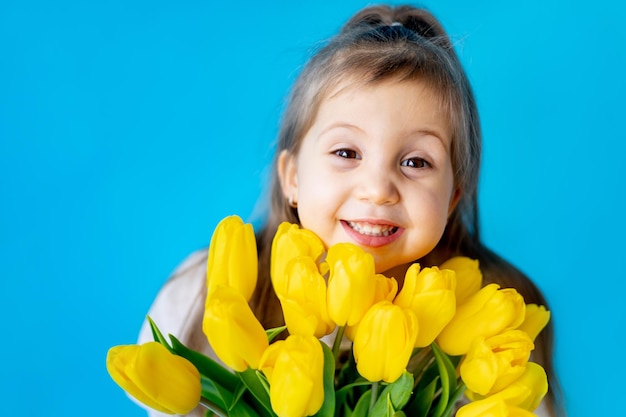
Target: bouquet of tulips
<point x="410" y="352"/>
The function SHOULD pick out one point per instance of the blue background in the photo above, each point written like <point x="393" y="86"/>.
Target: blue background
<point x="129" y="128"/>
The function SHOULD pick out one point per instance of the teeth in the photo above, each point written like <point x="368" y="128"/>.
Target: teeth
<point x="373" y="229"/>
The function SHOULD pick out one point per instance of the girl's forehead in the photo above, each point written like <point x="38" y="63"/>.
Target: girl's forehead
<point x="350" y="88"/>
<point x="410" y="105"/>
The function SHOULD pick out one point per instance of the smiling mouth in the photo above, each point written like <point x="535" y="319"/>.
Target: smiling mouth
<point x="375" y="230"/>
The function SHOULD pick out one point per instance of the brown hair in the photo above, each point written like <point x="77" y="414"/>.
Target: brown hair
<point x="399" y="43"/>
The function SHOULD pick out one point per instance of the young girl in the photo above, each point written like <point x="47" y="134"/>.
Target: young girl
<point x="379" y="146"/>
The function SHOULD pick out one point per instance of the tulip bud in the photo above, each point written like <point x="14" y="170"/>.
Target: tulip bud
<point x="289" y="242"/>
<point x="385" y="288"/>
<point x="525" y="392"/>
<point x="232" y="330"/>
<point x="384" y="341"/>
<point x="488" y="312"/>
<point x="494" y="363"/>
<point x="537" y="317"/>
<point x="294" y="368"/>
<point x="492" y="407"/>
<point x="161" y="380"/>
<point x="469" y="278"/>
<point x="430" y="295"/>
<point x="233" y="258"/>
<point x="304" y="299"/>
<point x="351" y="283"/>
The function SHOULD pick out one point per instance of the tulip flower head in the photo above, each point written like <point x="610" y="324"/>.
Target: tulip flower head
<point x="384" y="341"/>
<point x="488" y="312"/>
<point x="294" y="368"/>
<point x="290" y="241"/>
<point x="161" y="380"/>
<point x="469" y="278"/>
<point x="492" y="407"/>
<point x="537" y="317"/>
<point x="232" y="259"/>
<point x="232" y="330"/>
<point x="494" y="363"/>
<point x="303" y="299"/>
<point x="351" y="283"/>
<point x="429" y="293"/>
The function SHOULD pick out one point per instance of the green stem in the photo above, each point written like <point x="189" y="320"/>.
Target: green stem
<point x="213" y="407"/>
<point x="374" y="396"/>
<point x="337" y="342"/>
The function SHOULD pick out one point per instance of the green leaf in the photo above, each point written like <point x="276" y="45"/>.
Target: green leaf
<point x="253" y="380"/>
<point x="238" y="393"/>
<point x="225" y="401"/>
<point x="453" y="399"/>
<point x="448" y="363"/>
<point x="400" y="390"/>
<point x="363" y="405"/>
<point x="328" y="406"/>
<point x="272" y="333"/>
<point x="342" y="393"/>
<point x="423" y="399"/>
<point x="157" y="335"/>
<point x="448" y="380"/>
<point x="206" y="366"/>
<point x="391" y="411"/>
<point x="394" y="396"/>
<point x="347" y="411"/>
<point x="213" y="393"/>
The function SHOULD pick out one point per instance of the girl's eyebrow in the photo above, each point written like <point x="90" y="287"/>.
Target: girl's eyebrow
<point x="427" y="131"/>
<point x="340" y="125"/>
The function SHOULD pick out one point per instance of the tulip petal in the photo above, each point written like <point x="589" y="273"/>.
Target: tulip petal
<point x="232" y="330"/>
<point x="232" y="258"/>
<point x="150" y="373"/>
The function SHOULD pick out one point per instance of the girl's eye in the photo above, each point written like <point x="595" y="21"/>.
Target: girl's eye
<point x="347" y="153"/>
<point x="415" y="163"/>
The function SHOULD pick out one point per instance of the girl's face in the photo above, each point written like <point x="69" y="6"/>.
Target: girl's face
<point x="375" y="170"/>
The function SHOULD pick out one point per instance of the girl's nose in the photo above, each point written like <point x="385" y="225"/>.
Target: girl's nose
<point x="377" y="187"/>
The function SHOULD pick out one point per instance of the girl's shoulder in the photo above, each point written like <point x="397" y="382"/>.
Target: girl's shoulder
<point x="179" y="305"/>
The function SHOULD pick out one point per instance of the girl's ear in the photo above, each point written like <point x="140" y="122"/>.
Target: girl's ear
<point x="454" y="200"/>
<point x="287" y="174"/>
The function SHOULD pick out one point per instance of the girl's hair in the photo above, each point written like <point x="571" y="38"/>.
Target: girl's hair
<point x="403" y="43"/>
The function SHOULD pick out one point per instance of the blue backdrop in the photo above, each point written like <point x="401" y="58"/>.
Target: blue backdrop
<point x="129" y="128"/>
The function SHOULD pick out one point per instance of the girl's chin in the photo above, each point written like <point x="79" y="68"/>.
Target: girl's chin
<point x="390" y="268"/>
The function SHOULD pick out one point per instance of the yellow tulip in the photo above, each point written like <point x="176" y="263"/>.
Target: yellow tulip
<point x="525" y="392"/>
<point x="385" y="288"/>
<point x="351" y="283"/>
<point x="304" y="299"/>
<point x="492" y="407"/>
<point x="161" y="380"/>
<point x="384" y="341"/>
<point x="232" y="259"/>
<point x="488" y="312"/>
<point x="494" y="363"/>
<point x="289" y="242"/>
<point x="430" y="294"/>
<point x="232" y="330"/>
<point x="537" y="317"/>
<point x="294" y="368"/>
<point x="469" y="278"/>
